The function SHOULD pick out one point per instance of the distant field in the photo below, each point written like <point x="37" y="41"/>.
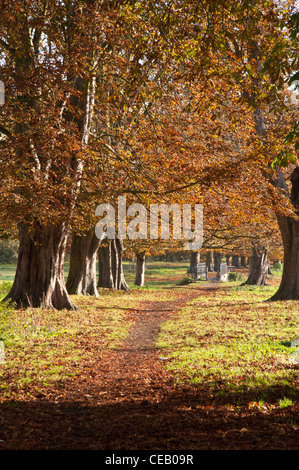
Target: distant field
<point x="158" y="273"/>
<point x="7" y="272"/>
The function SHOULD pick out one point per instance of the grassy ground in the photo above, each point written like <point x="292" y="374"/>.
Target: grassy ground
<point x="234" y="342"/>
<point x="43" y="347"/>
<point x="229" y="340"/>
<point x="148" y="369"/>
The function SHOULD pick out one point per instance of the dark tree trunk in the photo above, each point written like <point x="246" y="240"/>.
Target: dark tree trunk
<point x="258" y="266"/>
<point x="243" y="261"/>
<point x="217" y="261"/>
<point x="289" y="227"/>
<point x="209" y="261"/>
<point x="236" y="261"/>
<point x="82" y="276"/>
<point x="140" y="269"/>
<point x="39" y="278"/>
<point x="105" y="266"/>
<point x="194" y="260"/>
<point x="227" y="257"/>
<point x="111" y="273"/>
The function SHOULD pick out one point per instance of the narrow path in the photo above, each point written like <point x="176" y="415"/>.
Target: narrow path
<point x="136" y="370"/>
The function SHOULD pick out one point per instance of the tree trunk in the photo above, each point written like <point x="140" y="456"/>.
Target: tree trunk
<point x="258" y="266"/>
<point x="236" y="261"/>
<point x="289" y="228"/>
<point x="209" y="261"/>
<point x="105" y="266"/>
<point x="217" y="261"/>
<point x="111" y="273"/>
<point x="82" y="276"/>
<point x="39" y="278"/>
<point x="194" y="261"/>
<point x="140" y="269"/>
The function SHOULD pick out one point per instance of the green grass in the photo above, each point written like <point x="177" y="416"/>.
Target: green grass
<point x="230" y="340"/>
<point x="7" y="272"/>
<point x="158" y="274"/>
<point x="44" y="347"/>
<point x="233" y="340"/>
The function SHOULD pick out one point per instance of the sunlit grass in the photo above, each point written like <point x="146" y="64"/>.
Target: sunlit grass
<point x="43" y="346"/>
<point x="157" y="274"/>
<point x="234" y="340"/>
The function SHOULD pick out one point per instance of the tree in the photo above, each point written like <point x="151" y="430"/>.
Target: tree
<point x="111" y="273"/>
<point x="288" y="220"/>
<point x="140" y="268"/>
<point x="258" y="266"/>
<point x="289" y="227"/>
<point x="63" y="61"/>
<point x="50" y="51"/>
<point x="82" y="275"/>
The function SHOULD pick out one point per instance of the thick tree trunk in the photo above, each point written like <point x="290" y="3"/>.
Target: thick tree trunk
<point x="140" y="269"/>
<point x="39" y="278"/>
<point x="289" y="227"/>
<point x="258" y="266"/>
<point x="82" y="276"/>
<point x="289" y="286"/>
<point x="111" y="273"/>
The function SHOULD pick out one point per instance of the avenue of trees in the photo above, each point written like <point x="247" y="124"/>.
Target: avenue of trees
<point x="178" y="101"/>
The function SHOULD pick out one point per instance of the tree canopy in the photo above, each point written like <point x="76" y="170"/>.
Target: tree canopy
<point x="159" y="101"/>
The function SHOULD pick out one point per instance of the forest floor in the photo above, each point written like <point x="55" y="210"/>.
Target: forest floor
<point x="126" y="398"/>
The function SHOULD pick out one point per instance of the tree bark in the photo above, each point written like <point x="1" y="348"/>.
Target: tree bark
<point x="209" y="261"/>
<point x="111" y="273"/>
<point x="82" y="276"/>
<point x="258" y="266"/>
<point x="140" y="269"/>
<point x="39" y="278"/>
<point x="236" y="261"/>
<point x="194" y="260"/>
<point x="289" y="228"/>
<point x="217" y="261"/>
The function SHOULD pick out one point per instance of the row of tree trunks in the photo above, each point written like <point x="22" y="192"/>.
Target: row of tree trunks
<point x="258" y="264"/>
<point x="111" y="273"/>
